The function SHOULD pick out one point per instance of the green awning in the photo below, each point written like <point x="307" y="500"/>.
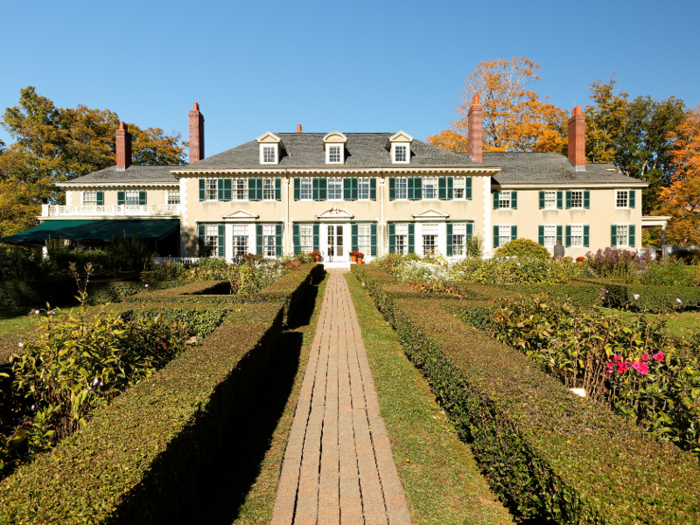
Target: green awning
<point x="101" y="231"/>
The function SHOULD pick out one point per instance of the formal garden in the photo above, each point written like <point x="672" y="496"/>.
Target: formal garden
<point x="575" y="384"/>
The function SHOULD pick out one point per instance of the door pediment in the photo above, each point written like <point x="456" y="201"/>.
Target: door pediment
<point x="240" y="215"/>
<point x="335" y="213"/>
<point x="431" y="214"/>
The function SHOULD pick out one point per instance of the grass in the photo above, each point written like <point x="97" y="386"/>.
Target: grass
<point x="259" y="502"/>
<point x="16" y="320"/>
<point x="442" y="482"/>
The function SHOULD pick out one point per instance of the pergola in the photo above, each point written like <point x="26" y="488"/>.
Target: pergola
<point x="658" y="220"/>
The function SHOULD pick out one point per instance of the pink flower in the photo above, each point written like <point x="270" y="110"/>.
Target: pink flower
<point x="617" y="358"/>
<point x="622" y="366"/>
<point x="645" y="357"/>
<point x="643" y="368"/>
<point x="659" y="356"/>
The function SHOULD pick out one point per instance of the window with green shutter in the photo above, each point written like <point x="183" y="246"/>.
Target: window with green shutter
<point x="496" y="203"/>
<point x="417" y="188"/>
<point x="632" y="232"/>
<point x="442" y="188"/>
<point x="560" y="200"/>
<point x="121" y="198"/>
<point x="201" y="240"/>
<point x="542" y="204"/>
<point x="222" y="240"/>
<point x="540" y="229"/>
<point x="202" y="190"/>
<point x="373" y="241"/>
<point x="586" y="236"/>
<point x="297" y="188"/>
<point x="587" y="200"/>
<point x="353" y="195"/>
<point x="278" y="240"/>
<point x="392" y="188"/>
<point x="568" y="200"/>
<point x="411" y="238"/>
<point x="632" y="198"/>
<point x="142" y="198"/>
<point x="392" y="237"/>
<point x="100" y="198"/>
<point x="513" y="232"/>
<point x="450" y="188"/>
<point x="559" y="233"/>
<point x="495" y="236"/>
<point x="224" y="189"/>
<point x="469" y="188"/>
<point x="252" y="187"/>
<point x="347" y="189"/>
<point x="353" y="237"/>
<point x="278" y="189"/>
<point x="296" y="241"/>
<point x="373" y="189"/>
<point x="449" y="239"/>
<point x="568" y="236"/>
<point x="613" y="235"/>
<point x="317" y="237"/>
<point x="259" y="239"/>
<point x="514" y="201"/>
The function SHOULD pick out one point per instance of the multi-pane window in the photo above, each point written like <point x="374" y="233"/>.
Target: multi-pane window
<point x="400" y="153"/>
<point x="550" y="200"/>
<point x="430" y="188"/>
<point x="211" y="238"/>
<point x="504" y="234"/>
<point x="269" y="156"/>
<point x="622" y="235"/>
<point x="268" y="189"/>
<point x="239" y="191"/>
<point x="430" y="239"/>
<point x="131" y="197"/>
<point x="306" y="238"/>
<point x="550" y="235"/>
<point x="240" y="239"/>
<point x="622" y="199"/>
<point x="364" y="238"/>
<point x="401" y="238"/>
<point x="504" y="200"/>
<point x="577" y="199"/>
<point x="577" y="235"/>
<point x="269" y="240"/>
<point x="401" y="188"/>
<point x="173" y="197"/>
<point x="334" y="156"/>
<point x="363" y="189"/>
<point x="459" y="235"/>
<point x="335" y="189"/>
<point x="459" y="185"/>
<point x="90" y="198"/>
<point x="211" y="189"/>
<point x="307" y="189"/>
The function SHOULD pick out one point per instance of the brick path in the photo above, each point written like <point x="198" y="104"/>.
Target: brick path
<point x="338" y="467"/>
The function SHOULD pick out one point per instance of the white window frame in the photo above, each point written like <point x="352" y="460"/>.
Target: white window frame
<point x="626" y="235"/>
<point x="211" y="238"/>
<point x="342" y="152"/>
<point x="239" y="185"/>
<point x="424" y="188"/>
<point x="269" y="240"/>
<point x="211" y="187"/>
<point x="501" y="237"/>
<point x="430" y="230"/>
<point x="169" y="197"/>
<point x="550" y="232"/>
<point x="133" y="196"/>
<point x="364" y="185"/>
<point x="575" y="245"/>
<point x="505" y="203"/>
<point x="240" y="232"/>
<point x="404" y="182"/>
<point x="401" y="233"/>
<point x="337" y="183"/>
<point x="394" y="148"/>
<point x="627" y="199"/>
<point x="268" y="188"/>
<point x="364" y="239"/>
<point x="553" y="204"/>
<point x="302" y="182"/>
<point x="572" y="199"/>
<point x="306" y="238"/>
<point x="459" y="231"/>
<point x="93" y="198"/>
<point x="264" y="148"/>
<point x="459" y="183"/>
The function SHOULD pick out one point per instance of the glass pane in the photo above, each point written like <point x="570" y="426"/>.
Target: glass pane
<point x="339" y="241"/>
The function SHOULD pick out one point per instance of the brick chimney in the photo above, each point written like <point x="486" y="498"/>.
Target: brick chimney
<point x="298" y="128"/>
<point x="475" y="131"/>
<point x="123" y="147"/>
<point x="196" y="134"/>
<point x="577" y="139"/>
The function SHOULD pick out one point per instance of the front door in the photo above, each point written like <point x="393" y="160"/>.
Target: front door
<point x="336" y="249"/>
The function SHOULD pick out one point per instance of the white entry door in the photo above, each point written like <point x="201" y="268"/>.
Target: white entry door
<point x="336" y="242"/>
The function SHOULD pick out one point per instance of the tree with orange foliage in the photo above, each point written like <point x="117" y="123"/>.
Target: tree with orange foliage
<point x="515" y="119"/>
<point x="681" y="199"/>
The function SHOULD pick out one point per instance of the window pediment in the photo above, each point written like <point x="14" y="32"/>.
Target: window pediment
<point x="240" y="215"/>
<point x="431" y="214"/>
<point x="335" y="213"/>
<point x="400" y="147"/>
<point x="270" y="145"/>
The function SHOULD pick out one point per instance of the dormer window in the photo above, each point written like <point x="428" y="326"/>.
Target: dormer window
<point x="400" y="148"/>
<point x="270" y="145"/>
<point x="334" y="143"/>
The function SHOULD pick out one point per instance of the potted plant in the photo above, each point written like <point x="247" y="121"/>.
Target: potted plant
<point x="353" y="256"/>
<point x="359" y="256"/>
<point x="316" y="255"/>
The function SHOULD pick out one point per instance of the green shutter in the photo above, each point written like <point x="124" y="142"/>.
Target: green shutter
<point x="201" y="239"/>
<point x="513" y="232"/>
<point x="259" y="239"/>
<point x="632" y="235"/>
<point x="470" y="230"/>
<point x="586" y="235"/>
<point x="632" y="198"/>
<point x="373" y="234"/>
<point x="495" y="200"/>
<point x="142" y="198"/>
<point x="409" y="185"/>
<point x="353" y="197"/>
<point x="353" y="237"/>
<point x="560" y="200"/>
<point x="411" y="238"/>
<point x="278" y="189"/>
<point x="541" y="201"/>
<point x="587" y="199"/>
<point x="442" y="188"/>
<point x="540" y="232"/>
<point x="469" y="188"/>
<point x="392" y="237"/>
<point x="251" y="189"/>
<point x="297" y="188"/>
<point x="296" y="241"/>
<point x="450" y="188"/>
<point x="121" y="200"/>
<point x="495" y="236"/>
<point x="373" y="189"/>
<point x="613" y="235"/>
<point x="317" y="238"/>
<point x="449" y="239"/>
<point x="347" y="189"/>
<point x="202" y="191"/>
<point x="222" y="240"/>
<point x="100" y="198"/>
<point x="568" y="200"/>
<point x="278" y="240"/>
<point x="418" y="188"/>
<point x="316" y="184"/>
<point x="568" y="235"/>
<point x="559" y="233"/>
<point x="392" y="188"/>
<point x="228" y="189"/>
<point x="513" y="200"/>
<point x="220" y="189"/>
<point x="259" y="192"/>
<point x="323" y="189"/>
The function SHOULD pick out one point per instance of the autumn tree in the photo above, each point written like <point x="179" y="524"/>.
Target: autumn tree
<point x="59" y="144"/>
<point x="515" y="119"/>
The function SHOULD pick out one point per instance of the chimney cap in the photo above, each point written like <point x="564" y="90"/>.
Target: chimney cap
<point x="195" y="106"/>
<point x="123" y="125"/>
<point x="475" y="100"/>
<point x="576" y="111"/>
<point x="298" y="128"/>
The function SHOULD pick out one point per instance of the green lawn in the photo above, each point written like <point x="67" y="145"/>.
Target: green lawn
<point x="683" y="324"/>
<point x="442" y="482"/>
<point x="16" y="320"/>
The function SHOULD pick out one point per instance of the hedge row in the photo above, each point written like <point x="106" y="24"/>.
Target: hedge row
<point x="657" y="299"/>
<point x="138" y="458"/>
<point x="549" y="453"/>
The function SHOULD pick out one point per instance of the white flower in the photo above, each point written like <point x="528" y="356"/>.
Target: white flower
<point x="636" y="297"/>
<point x="37" y="312"/>
<point x="678" y="300"/>
<point x="95" y="381"/>
<point x="21" y="345"/>
<point x="146" y="285"/>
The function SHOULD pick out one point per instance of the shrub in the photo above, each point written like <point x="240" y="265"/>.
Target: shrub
<point x="686" y="256"/>
<point x="617" y="262"/>
<point x="18" y="263"/>
<point x="667" y="273"/>
<point x="475" y="246"/>
<point x="125" y="255"/>
<point x="522" y="247"/>
<point x="517" y="270"/>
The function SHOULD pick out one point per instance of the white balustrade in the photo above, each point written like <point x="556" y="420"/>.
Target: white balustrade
<point x="111" y="211"/>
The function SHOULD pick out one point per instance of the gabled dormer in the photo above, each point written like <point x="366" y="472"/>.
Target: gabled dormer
<point x="400" y="148"/>
<point x="334" y="143"/>
<point x="270" y="146"/>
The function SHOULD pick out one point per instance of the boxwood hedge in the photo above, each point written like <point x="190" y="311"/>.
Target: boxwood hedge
<point x="547" y="452"/>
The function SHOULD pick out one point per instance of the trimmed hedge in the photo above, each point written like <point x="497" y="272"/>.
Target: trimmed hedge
<point x="549" y="453"/>
<point x="584" y="295"/>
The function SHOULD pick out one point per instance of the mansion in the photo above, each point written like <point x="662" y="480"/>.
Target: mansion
<point x="334" y="192"/>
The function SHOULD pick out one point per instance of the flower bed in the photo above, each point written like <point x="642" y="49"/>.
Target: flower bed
<point x="547" y="452"/>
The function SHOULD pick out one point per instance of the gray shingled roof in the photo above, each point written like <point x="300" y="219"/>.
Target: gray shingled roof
<point x="131" y="175"/>
<point x="306" y="150"/>
<point x="543" y="168"/>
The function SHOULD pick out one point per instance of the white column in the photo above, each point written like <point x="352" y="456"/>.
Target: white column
<point x="287" y="246"/>
<point x="380" y="227"/>
<point x="488" y="228"/>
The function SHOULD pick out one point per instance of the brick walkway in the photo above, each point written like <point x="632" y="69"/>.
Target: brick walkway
<point x="338" y="467"/>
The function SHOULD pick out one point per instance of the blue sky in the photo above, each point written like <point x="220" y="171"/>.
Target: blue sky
<point x="347" y="66"/>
